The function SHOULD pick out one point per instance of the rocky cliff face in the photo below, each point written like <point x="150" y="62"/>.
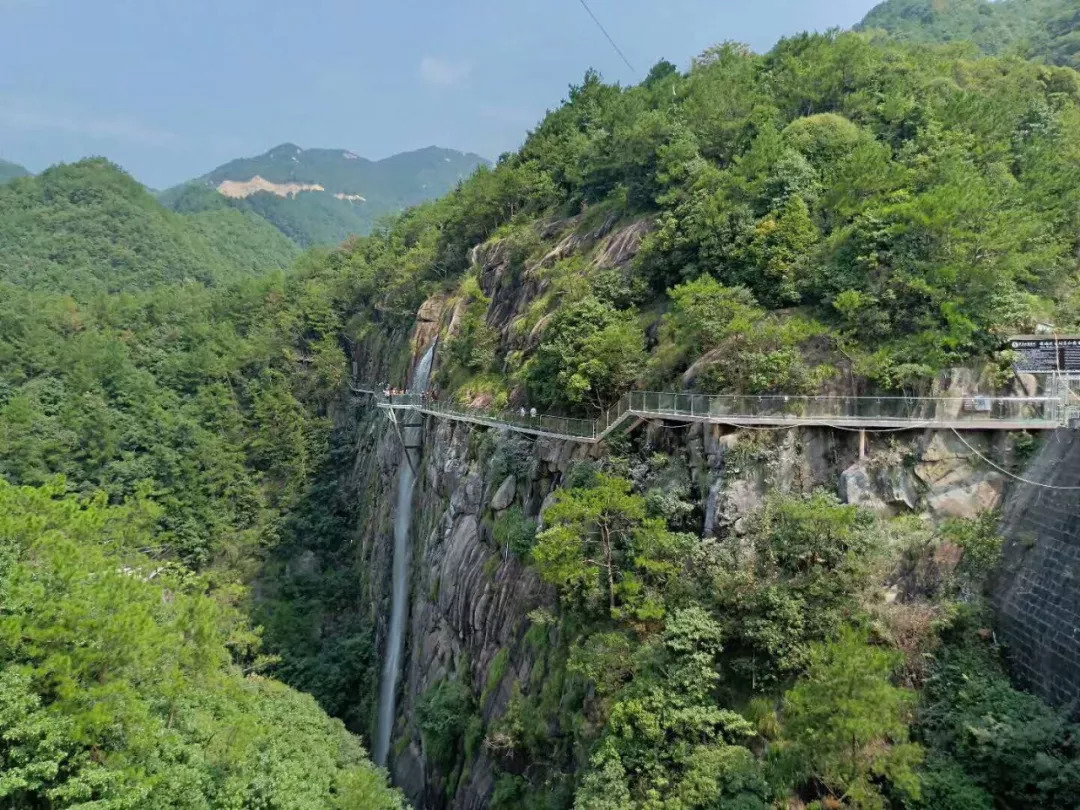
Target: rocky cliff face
<point x="471" y="600"/>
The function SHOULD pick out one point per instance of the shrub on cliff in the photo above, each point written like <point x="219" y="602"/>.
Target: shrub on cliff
<point x="600" y="549"/>
<point x="1013" y="745"/>
<point x="845" y="725"/>
<point x="443" y="715"/>
<point x="590" y="352"/>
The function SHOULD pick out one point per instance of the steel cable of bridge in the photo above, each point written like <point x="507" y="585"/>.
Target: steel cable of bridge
<point x="656" y="424"/>
<point x="918" y="426"/>
<point x="913" y="426"/>
<point x="1012" y="475"/>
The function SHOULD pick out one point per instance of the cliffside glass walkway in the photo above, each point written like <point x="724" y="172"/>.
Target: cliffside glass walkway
<point x="855" y="413"/>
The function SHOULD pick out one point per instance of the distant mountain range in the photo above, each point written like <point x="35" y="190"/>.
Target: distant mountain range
<point x="88" y="228"/>
<point x="1042" y="30"/>
<point x="322" y="196"/>
<point x="9" y="171"/>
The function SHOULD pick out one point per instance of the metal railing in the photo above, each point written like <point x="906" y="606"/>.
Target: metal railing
<point x="869" y="408"/>
<point x="983" y="412"/>
<point x="414" y="401"/>
<point x="541" y="423"/>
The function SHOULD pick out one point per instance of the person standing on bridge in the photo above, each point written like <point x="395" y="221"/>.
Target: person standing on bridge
<point x="532" y="414"/>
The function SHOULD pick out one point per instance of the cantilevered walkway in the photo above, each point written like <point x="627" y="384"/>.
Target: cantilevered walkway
<point x="853" y="413"/>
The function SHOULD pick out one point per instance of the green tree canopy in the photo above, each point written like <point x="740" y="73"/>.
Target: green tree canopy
<point x="599" y="547"/>
<point x="845" y="724"/>
<point x="88" y="228"/>
<point x="121" y="684"/>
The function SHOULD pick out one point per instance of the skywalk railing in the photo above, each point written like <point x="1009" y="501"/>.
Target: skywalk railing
<point x="541" y="423"/>
<point x="1006" y="413"/>
<point x="869" y="408"/>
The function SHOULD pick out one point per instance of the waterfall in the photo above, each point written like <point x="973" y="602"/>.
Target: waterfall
<point x="399" y="595"/>
<point x="712" y="503"/>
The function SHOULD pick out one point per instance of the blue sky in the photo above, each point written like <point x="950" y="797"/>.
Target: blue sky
<point x="172" y="88"/>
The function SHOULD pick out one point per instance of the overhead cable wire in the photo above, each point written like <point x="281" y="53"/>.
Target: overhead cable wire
<point x="1012" y="475"/>
<point x="604" y="31"/>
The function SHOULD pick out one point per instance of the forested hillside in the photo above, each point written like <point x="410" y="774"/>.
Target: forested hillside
<point x="89" y="228"/>
<point x="175" y="425"/>
<point x="151" y="443"/>
<point x="344" y="194"/>
<point x="1041" y="30"/>
<point x="834" y="209"/>
<point x="11" y="170"/>
<point x="154" y="443"/>
<point x="128" y="681"/>
<point x="838" y="213"/>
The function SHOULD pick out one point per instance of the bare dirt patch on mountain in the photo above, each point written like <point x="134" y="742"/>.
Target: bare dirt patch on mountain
<point x="239" y="189"/>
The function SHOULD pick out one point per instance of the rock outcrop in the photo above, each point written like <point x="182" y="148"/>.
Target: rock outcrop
<point x="471" y="600"/>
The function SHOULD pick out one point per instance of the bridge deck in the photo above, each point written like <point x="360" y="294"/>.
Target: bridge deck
<point x="856" y="413"/>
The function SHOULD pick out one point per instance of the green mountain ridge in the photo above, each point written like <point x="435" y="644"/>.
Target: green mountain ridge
<point x="9" y="171"/>
<point x="1041" y="30"/>
<point x="369" y="189"/>
<point x="147" y="378"/>
<point x="176" y="427"/>
<point x="88" y="227"/>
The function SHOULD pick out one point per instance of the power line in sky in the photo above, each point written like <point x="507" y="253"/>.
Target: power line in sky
<point x="603" y="30"/>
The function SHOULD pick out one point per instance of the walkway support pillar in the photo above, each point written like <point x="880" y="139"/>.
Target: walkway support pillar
<point x="401" y="438"/>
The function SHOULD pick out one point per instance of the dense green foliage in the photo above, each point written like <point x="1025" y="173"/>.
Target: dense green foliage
<point x="88" y="228"/>
<point x="319" y="217"/>
<point x="443" y="715"/>
<point x="846" y="724"/>
<point x="602" y="549"/>
<point x="589" y="350"/>
<point x="1014" y="746"/>
<point x="9" y="171"/>
<point x="208" y="405"/>
<point x="810" y="561"/>
<point x="839" y="208"/>
<point x="121" y="684"/>
<point x="514" y="532"/>
<point x="194" y="394"/>
<point x="740" y="346"/>
<point x="1043" y="30"/>
<point x="875" y="211"/>
<point x="768" y="666"/>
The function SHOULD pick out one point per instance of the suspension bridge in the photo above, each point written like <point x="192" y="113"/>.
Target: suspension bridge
<point x="868" y="413"/>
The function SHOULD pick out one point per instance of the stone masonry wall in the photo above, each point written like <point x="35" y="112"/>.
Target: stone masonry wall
<point x="1037" y="595"/>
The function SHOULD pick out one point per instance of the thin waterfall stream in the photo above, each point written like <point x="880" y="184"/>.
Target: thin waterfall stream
<point x="399" y="595"/>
